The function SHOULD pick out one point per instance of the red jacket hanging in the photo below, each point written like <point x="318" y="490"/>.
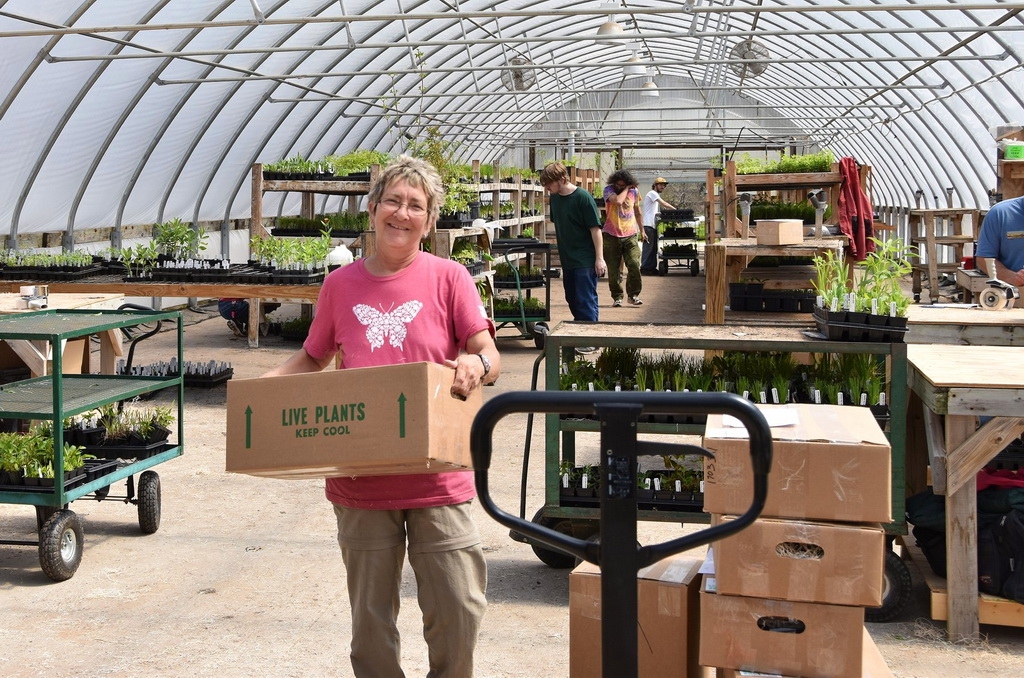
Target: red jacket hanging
<point x="855" y="211"/>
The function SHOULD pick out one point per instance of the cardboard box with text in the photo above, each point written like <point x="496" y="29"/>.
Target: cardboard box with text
<point x="367" y="421"/>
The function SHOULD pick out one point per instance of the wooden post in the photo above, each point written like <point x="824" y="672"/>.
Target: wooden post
<point x="256" y="204"/>
<point x="710" y="213"/>
<point x="730" y="224"/>
<point x="714" y="295"/>
<point x="961" y="543"/>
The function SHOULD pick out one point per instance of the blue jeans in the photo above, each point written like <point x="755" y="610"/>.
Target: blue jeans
<point x="580" y="285"/>
<point x="649" y="258"/>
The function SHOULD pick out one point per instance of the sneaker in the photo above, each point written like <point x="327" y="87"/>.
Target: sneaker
<point x="235" y="329"/>
<point x="617" y="303"/>
<point x="636" y="301"/>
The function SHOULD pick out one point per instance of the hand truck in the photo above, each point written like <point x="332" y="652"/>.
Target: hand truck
<point x="616" y="551"/>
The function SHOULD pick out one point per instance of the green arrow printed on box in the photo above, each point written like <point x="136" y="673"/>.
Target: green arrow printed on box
<point x="401" y="415"/>
<point x="248" y="427"/>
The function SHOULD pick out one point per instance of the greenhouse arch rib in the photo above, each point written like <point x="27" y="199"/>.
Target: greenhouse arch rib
<point x="205" y="136"/>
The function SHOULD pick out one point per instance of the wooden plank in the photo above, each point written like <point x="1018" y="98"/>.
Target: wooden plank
<point x="981" y="401"/>
<point x="961" y="543"/>
<point x="1011" y="169"/>
<point x="961" y="366"/>
<point x="965" y="335"/>
<point x="932" y="397"/>
<point x="111" y="349"/>
<point x="256" y="229"/>
<point x="794" y="180"/>
<point x="927" y="314"/>
<point x="730" y="224"/>
<point x="715" y="286"/>
<point x="323" y="187"/>
<point x="212" y="290"/>
<point x="936" y="450"/>
<point x="969" y="458"/>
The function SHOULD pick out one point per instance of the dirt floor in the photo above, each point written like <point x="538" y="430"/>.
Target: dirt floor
<point x="244" y="577"/>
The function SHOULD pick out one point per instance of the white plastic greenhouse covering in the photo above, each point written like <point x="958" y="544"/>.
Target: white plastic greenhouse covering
<point x="138" y="111"/>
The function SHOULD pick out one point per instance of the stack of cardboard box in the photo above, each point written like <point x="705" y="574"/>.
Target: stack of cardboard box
<point x="788" y="592"/>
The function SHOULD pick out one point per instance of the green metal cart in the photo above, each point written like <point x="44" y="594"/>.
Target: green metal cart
<point x="56" y="396"/>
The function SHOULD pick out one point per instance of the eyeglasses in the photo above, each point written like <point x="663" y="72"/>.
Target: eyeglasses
<point x="392" y="205"/>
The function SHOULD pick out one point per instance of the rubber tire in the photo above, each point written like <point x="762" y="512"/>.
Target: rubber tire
<point x="540" y="333"/>
<point x="61" y="541"/>
<point x="551" y="558"/>
<point x="694" y="267"/>
<point x="43" y="514"/>
<point x="149" y="502"/>
<point x="896" y="584"/>
<point x="663" y="267"/>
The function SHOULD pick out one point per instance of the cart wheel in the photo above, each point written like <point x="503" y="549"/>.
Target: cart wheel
<point x="895" y="590"/>
<point x="60" y="545"/>
<point x="549" y="557"/>
<point x="149" y="502"/>
<point x="694" y="266"/>
<point x="540" y="333"/>
<point x="663" y="267"/>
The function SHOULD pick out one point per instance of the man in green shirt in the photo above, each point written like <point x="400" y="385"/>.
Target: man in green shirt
<point x="578" y="233"/>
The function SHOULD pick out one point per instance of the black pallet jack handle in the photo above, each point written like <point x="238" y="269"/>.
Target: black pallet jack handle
<point x="617" y="553"/>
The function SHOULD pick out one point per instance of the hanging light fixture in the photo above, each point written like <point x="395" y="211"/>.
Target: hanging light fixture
<point x="649" y="89"/>
<point x="610" y="27"/>
<point x="634" y="66"/>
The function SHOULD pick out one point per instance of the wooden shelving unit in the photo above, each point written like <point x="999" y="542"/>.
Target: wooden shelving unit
<point x="789" y="187"/>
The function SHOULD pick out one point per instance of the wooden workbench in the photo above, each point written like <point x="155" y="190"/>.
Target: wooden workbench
<point x="962" y="383"/>
<point x="254" y="293"/>
<point x="723" y="261"/>
<point x="35" y="355"/>
<point x="930" y="324"/>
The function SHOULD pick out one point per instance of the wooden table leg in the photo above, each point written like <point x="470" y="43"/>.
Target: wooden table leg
<point x="254" y="323"/>
<point x="714" y="290"/>
<point x="961" y="543"/>
<point x="111" y="349"/>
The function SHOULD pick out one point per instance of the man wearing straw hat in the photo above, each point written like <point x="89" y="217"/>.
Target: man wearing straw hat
<point x="649" y="257"/>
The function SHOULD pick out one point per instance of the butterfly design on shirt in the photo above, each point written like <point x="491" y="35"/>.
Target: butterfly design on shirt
<point x="390" y="324"/>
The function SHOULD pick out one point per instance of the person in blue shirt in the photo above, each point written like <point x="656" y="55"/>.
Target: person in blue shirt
<point x="1002" y="239"/>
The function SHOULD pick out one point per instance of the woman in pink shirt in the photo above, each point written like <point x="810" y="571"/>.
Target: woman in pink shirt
<point x="622" y="233"/>
<point x="401" y="305"/>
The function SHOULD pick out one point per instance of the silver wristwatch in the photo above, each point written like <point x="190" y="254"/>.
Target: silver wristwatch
<point x="486" y="362"/>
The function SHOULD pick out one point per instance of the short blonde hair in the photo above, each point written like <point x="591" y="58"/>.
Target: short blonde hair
<point x="418" y="174"/>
